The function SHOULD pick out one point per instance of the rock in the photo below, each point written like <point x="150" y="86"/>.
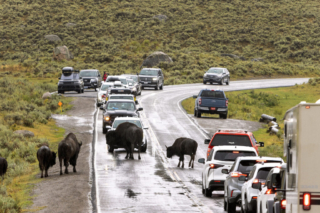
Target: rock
<point x="24" y="133"/>
<point x="52" y="38"/>
<point x="155" y="58"/>
<point x="257" y="59"/>
<point x="61" y="53"/>
<point x="69" y="25"/>
<point x="160" y="17"/>
<point x="46" y="95"/>
<point x="233" y="56"/>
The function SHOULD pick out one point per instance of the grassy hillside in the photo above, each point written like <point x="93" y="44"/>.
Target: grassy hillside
<point x="116" y="36"/>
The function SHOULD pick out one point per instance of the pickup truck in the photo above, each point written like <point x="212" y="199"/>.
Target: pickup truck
<point x="212" y="102"/>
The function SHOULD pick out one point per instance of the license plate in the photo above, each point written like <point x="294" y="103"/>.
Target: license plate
<point x="212" y="108"/>
<point x="85" y="87"/>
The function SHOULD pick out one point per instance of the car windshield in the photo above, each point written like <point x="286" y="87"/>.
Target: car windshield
<point x="246" y="166"/>
<point x="127" y="97"/>
<point x="231" y="155"/>
<point x="112" y="79"/>
<point x="88" y="74"/>
<point x="215" y="70"/>
<point x="231" y="140"/>
<point x="121" y="106"/>
<point x="134" y="78"/>
<point x="105" y="87"/>
<point x="72" y="76"/>
<point x="263" y="173"/>
<point x="212" y="94"/>
<point x="149" y="72"/>
<point x="130" y="81"/>
<point x="123" y="80"/>
<point x="117" y="122"/>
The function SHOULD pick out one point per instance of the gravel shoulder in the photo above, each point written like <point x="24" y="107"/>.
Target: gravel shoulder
<point x="72" y="192"/>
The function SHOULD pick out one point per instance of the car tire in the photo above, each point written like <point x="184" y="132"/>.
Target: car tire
<point x="59" y="91"/>
<point x="104" y="130"/>
<point x="198" y="114"/>
<point x="79" y="91"/>
<point x="144" y="148"/>
<point x="95" y="89"/>
<point x="224" y="204"/>
<point x="203" y="191"/>
<point x="207" y="192"/>
<point x="204" y="82"/>
<point x="228" y="81"/>
<point x="221" y="82"/>
<point x="194" y="113"/>
<point x="211" y="83"/>
<point x="161" y="87"/>
<point x="110" y="149"/>
<point x="246" y="206"/>
<point x="231" y="207"/>
<point x="157" y="87"/>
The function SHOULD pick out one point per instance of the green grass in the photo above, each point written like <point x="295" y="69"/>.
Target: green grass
<point x="250" y="104"/>
<point x="115" y="36"/>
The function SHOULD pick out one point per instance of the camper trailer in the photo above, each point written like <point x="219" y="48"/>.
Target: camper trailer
<point x="302" y="149"/>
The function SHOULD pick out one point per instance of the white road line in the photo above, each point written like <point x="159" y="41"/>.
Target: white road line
<point x="95" y="164"/>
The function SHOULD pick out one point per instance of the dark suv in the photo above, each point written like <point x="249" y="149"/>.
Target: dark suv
<point x="151" y="77"/>
<point x="91" y="78"/>
<point x="70" y="81"/>
<point x="217" y="75"/>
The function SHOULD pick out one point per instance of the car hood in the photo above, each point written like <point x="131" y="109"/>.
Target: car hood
<point x="122" y="113"/>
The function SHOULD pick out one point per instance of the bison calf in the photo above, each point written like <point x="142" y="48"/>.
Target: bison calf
<point x="46" y="159"/>
<point x="68" y="151"/>
<point x="181" y="147"/>
<point x="3" y="166"/>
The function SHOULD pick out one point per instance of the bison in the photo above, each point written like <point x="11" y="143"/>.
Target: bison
<point x="181" y="147"/>
<point x="128" y="136"/>
<point x="46" y="159"/>
<point x="3" y="166"/>
<point x="68" y="151"/>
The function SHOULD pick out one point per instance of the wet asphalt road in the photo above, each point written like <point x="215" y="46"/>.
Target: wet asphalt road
<point x="155" y="184"/>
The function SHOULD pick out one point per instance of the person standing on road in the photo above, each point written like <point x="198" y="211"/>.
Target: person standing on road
<point x="105" y="75"/>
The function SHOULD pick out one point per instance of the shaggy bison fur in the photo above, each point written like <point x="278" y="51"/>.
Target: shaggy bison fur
<point x="68" y="151"/>
<point x="3" y="166"/>
<point x="181" y="147"/>
<point x="46" y="159"/>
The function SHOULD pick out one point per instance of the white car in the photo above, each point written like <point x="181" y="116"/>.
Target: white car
<point x="220" y="157"/>
<point x="249" y="190"/>
<point x="267" y="193"/>
<point x="103" y="92"/>
<point x="134" y="120"/>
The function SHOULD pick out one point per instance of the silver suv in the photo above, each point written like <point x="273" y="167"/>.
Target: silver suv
<point x="152" y="77"/>
<point x="237" y="176"/>
<point x="91" y="78"/>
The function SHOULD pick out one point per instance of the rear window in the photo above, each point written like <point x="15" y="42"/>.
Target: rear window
<point x="246" y="166"/>
<point x="231" y="155"/>
<point x="231" y="140"/>
<point x="263" y="173"/>
<point x="212" y="94"/>
<point x="120" y="91"/>
<point x="121" y="97"/>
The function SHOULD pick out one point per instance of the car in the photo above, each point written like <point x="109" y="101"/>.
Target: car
<point x="122" y="97"/>
<point x="249" y="190"/>
<point x="221" y="157"/>
<point x="134" y="120"/>
<point x="91" y="78"/>
<point x="117" y="79"/>
<point x="152" y="77"/>
<point x="217" y="75"/>
<point x="103" y="92"/>
<point x="232" y="186"/>
<point x="211" y="102"/>
<point x="279" y="201"/>
<point x="70" y="81"/>
<point x="232" y="137"/>
<point x="136" y="79"/>
<point x="267" y="193"/>
<point x="118" y="108"/>
<point x="133" y="87"/>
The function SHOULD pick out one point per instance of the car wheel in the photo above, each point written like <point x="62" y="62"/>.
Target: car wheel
<point x="224" y="205"/>
<point x="79" y="91"/>
<point x="246" y="206"/>
<point x="208" y="192"/>
<point x="194" y="113"/>
<point x="225" y="116"/>
<point x="157" y="87"/>
<point x="98" y="104"/>
<point x="211" y="83"/>
<point x="161" y="87"/>
<point x="59" y="91"/>
<point x="228" y="81"/>
<point x="104" y="130"/>
<point x="203" y="191"/>
<point x="144" y="148"/>
<point x="204" y="82"/>
<point x="221" y="82"/>
<point x="198" y="114"/>
<point x="231" y="207"/>
<point x="110" y="149"/>
<point x="95" y="89"/>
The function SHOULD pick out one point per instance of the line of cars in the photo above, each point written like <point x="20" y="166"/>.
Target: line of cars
<point x="233" y="165"/>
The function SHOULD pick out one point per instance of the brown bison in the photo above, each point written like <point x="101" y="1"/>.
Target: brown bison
<point x="3" y="166"/>
<point x="68" y="151"/>
<point x="46" y="159"/>
<point x="181" y="147"/>
<point x="128" y="136"/>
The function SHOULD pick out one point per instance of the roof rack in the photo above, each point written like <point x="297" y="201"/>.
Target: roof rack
<point x="233" y="130"/>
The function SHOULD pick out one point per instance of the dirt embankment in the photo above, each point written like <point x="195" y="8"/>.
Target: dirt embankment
<point x="71" y="192"/>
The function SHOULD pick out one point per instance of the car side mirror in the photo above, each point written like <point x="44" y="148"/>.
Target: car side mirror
<point x="102" y="108"/>
<point x="256" y="186"/>
<point x="194" y="96"/>
<point x="201" y="160"/>
<point x="145" y="127"/>
<point x="261" y="144"/>
<point x="108" y="127"/>
<point x="224" y="171"/>
<point x="242" y="178"/>
<point x="207" y="141"/>
<point x="136" y="102"/>
<point x="140" y="109"/>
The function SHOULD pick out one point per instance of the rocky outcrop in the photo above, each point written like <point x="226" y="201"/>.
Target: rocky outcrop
<point x="155" y="58"/>
<point x="69" y="25"/>
<point x="160" y="17"/>
<point x="257" y="59"/>
<point x="233" y="56"/>
<point x="24" y="133"/>
<point x="61" y="53"/>
<point x="52" y="38"/>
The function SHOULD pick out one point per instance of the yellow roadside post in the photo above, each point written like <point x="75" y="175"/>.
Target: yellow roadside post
<point x="60" y="104"/>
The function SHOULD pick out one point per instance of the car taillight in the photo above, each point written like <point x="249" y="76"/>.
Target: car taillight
<point x="103" y="96"/>
<point x="235" y="174"/>
<point x="208" y="152"/>
<point x="227" y="103"/>
<point x="199" y="101"/>
<point x="215" y="166"/>
<point x="255" y="181"/>
<point x="268" y="191"/>
<point x="254" y="197"/>
<point x="231" y="193"/>
<point x="306" y="201"/>
<point x="283" y="204"/>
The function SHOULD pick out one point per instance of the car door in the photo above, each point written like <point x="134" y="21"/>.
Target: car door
<point x="99" y="79"/>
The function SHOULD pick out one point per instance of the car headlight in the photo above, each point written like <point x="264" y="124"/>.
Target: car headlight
<point x="106" y="118"/>
<point x="133" y="89"/>
<point x="154" y="79"/>
<point x="93" y="80"/>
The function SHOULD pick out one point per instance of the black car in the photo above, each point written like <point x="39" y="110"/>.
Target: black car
<point x="91" y="78"/>
<point x="217" y="75"/>
<point x="118" y="108"/>
<point x="151" y="77"/>
<point x="136" y="84"/>
<point x="70" y="81"/>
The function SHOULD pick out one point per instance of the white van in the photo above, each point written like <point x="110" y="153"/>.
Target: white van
<point x="302" y="148"/>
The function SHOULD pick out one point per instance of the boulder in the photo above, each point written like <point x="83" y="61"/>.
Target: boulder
<point x="69" y="25"/>
<point x="233" y="56"/>
<point x="52" y="38"/>
<point x="155" y="58"/>
<point x="24" y="133"/>
<point x="257" y="59"/>
<point x="46" y="95"/>
<point x="160" y="17"/>
<point x="61" y="53"/>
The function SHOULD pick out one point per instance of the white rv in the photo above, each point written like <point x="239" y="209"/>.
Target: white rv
<point x="302" y="149"/>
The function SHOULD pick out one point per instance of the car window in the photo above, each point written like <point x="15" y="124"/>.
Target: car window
<point x="121" y="106"/>
<point x="245" y="166"/>
<point x="72" y="76"/>
<point x="276" y="180"/>
<point x="123" y="80"/>
<point x="231" y="155"/>
<point x="88" y="74"/>
<point x="232" y="140"/>
<point x="212" y="94"/>
<point x="252" y="173"/>
<point x="253" y="139"/>
<point x="263" y="173"/>
<point x="148" y="72"/>
<point x="117" y="122"/>
<point x="210" y="154"/>
<point x="112" y="79"/>
<point x="215" y="70"/>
